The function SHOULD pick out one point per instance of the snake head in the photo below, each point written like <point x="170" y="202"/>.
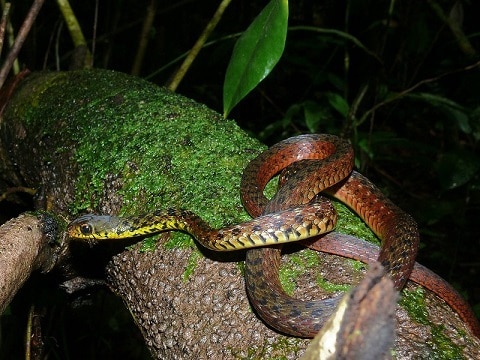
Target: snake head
<point x="84" y="227"/>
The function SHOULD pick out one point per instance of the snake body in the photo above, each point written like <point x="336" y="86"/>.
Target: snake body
<point x="317" y="163"/>
<point x="309" y="165"/>
<point x="292" y="225"/>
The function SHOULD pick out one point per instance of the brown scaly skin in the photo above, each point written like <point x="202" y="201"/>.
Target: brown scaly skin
<point x="301" y="181"/>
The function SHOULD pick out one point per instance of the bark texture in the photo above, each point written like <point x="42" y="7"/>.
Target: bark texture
<point x="24" y="247"/>
<point x="109" y="143"/>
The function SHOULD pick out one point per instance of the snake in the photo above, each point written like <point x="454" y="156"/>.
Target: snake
<point x="308" y="166"/>
<point x="297" y="223"/>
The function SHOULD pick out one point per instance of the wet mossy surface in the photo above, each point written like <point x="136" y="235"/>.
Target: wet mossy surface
<point x="159" y="149"/>
<point x="441" y="346"/>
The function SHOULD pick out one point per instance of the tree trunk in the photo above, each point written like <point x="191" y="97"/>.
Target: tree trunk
<point x="104" y="142"/>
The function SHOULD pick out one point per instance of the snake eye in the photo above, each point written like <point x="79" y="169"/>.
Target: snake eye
<point x="86" y="229"/>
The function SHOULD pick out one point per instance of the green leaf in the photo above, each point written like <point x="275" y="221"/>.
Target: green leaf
<point x="256" y="53"/>
<point x="338" y="103"/>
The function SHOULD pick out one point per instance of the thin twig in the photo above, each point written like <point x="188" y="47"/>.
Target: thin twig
<point x="75" y="31"/>
<point x="3" y="24"/>
<point x="10" y="39"/>
<point x="405" y="92"/>
<point x="57" y="46"/>
<point x="144" y="36"/>
<point x="451" y="21"/>
<point x="17" y="189"/>
<point x="179" y="75"/>
<point x="28" y="337"/>
<point x="22" y="35"/>
<point x="94" y="37"/>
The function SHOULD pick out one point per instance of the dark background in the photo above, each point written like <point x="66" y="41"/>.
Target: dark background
<point x="421" y="148"/>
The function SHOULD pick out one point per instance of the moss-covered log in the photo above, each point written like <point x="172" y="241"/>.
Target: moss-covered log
<point x="99" y="141"/>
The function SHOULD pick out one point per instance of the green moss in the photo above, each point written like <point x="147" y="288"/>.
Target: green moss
<point x="442" y="347"/>
<point x="192" y="264"/>
<point x="299" y="263"/>
<point x="414" y="303"/>
<point x="331" y="287"/>
<point x="349" y="223"/>
<point x="162" y="149"/>
<point x="357" y="265"/>
<point x="149" y="244"/>
<point x="180" y="242"/>
<point x="295" y="265"/>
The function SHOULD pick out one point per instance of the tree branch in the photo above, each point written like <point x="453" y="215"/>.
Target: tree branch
<point x="22" y="35"/>
<point x="24" y="247"/>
